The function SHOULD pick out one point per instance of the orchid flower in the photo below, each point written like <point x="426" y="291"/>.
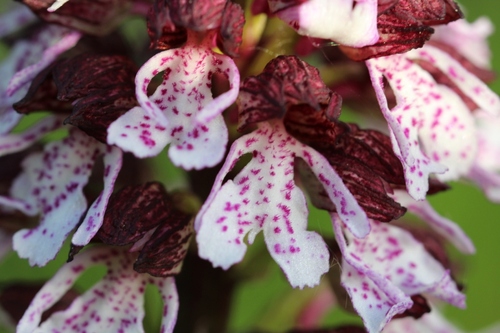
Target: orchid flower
<point x="431" y="127"/>
<point x="264" y="196"/>
<point x="116" y="303"/>
<point x="182" y="111"/>
<point x="51" y="184"/>
<point x="382" y="271"/>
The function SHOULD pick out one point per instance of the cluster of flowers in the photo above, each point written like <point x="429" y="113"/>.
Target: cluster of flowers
<point x="68" y="58"/>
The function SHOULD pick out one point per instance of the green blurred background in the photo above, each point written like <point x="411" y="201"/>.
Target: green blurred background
<point x="266" y="301"/>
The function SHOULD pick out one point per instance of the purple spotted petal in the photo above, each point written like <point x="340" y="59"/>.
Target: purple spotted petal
<point x="114" y="304"/>
<point x="351" y="22"/>
<point x="181" y="111"/>
<point x="430" y="124"/>
<point x="137" y="132"/>
<point x="404" y="119"/>
<point x="264" y="197"/>
<point x="469" y="84"/>
<point x="11" y="143"/>
<point x="445" y="227"/>
<point x="52" y="181"/>
<point x="381" y="271"/>
<point x="48" y="45"/>
<point x="448" y="133"/>
<point x="15" y="19"/>
<point x="95" y="215"/>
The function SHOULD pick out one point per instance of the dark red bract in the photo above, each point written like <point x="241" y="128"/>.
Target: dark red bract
<point x="96" y="89"/>
<point x="146" y="213"/>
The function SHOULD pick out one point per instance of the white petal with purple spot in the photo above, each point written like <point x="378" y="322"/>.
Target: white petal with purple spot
<point x="263" y="196"/>
<point x="182" y="111"/>
<point x="52" y="181"/>
<point x="448" y="133"/>
<point x="115" y="304"/>
<point x="381" y="271"/>
<point x="468" y="83"/>
<point x="138" y="133"/>
<point x="412" y="87"/>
